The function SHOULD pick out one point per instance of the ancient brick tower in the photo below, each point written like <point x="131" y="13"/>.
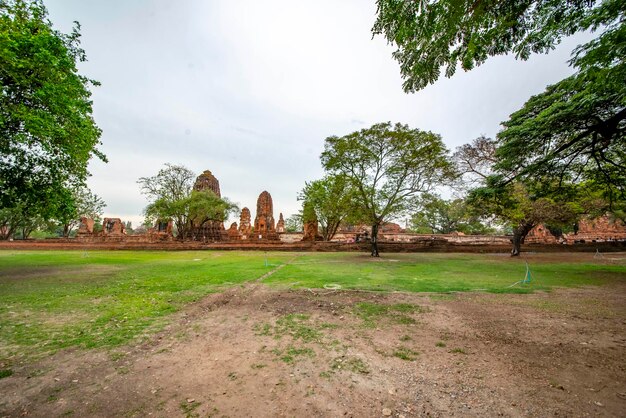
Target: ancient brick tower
<point x="210" y="230"/>
<point x="207" y="181"/>
<point x="245" y="223"/>
<point x="264" y="221"/>
<point x="280" y="225"/>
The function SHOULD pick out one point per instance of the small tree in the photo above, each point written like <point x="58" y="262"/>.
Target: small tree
<point x="388" y="166"/>
<point x="332" y="198"/>
<point x="86" y="204"/>
<point x="518" y="205"/>
<point x="439" y="216"/>
<point x="168" y="191"/>
<point x="293" y="223"/>
<point x="196" y="209"/>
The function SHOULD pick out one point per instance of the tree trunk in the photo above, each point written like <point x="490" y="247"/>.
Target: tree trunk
<point x="519" y="234"/>
<point x="375" y="240"/>
<point x="66" y="230"/>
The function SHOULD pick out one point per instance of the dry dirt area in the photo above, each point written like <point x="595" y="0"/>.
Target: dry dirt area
<point x="253" y="351"/>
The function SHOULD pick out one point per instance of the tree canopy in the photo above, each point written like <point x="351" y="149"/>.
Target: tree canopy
<point x="576" y="128"/>
<point x="433" y="34"/>
<point x="434" y="215"/>
<point x="388" y="166"/>
<point x="47" y="132"/>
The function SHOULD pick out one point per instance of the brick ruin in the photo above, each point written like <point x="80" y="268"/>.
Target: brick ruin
<point x="113" y="227"/>
<point x="245" y="223"/>
<point x="85" y="228"/>
<point x="233" y="232"/>
<point x="264" y="227"/>
<point x="540" y="235"/>
<point x="280" y="225"/>
<point x="602" y="229"/>
<point x="209" y="230"/>
<point x="310" y="226"/>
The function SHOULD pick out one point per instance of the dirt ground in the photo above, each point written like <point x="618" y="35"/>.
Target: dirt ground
<point x="253" y="351"/>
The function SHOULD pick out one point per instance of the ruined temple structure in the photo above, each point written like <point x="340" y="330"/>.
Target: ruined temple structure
<point x="162" y="231"/>
<point x="599" y="229"/>
<point x="390" y="228"/>
<point x="113" y="227"/>
<point x="245" y="223"/>
<point x="310" y="227"/>
<point x="85" y="229"/>
<point x="540" y="234"/>
<point x="209" y="230"/>
<point x="264" y="221"/>
<point x="233" y="232"/>
<point x="310" y="231"/>
<point x="280" y="225"/>
<point x="207" y="181"/>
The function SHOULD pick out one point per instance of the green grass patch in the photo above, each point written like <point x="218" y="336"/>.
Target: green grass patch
<point x="188" y="408"/>
<point x="372" y="313"/>
<point x="297" y="326"/>
<point x="441" y="273"/>
<point x="51" y="300"/>
<point x="291" y="354"/>
<point x="352" y="364"/>
<point x="405" y="353"/>
<point x="5" y="373"/>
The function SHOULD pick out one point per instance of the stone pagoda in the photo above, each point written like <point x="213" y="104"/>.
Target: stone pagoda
<point x="280" y="225"/>
<point x="209" y="230"/>
<point x="245" y="223"/>
<point x="264" y="222"/>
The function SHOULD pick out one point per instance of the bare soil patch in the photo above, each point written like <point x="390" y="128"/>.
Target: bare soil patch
<point x="253" y="351"/>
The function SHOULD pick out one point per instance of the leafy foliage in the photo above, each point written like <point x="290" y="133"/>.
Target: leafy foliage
<point x="86" y="204"/>
<point x="437" y="216"/>
<point x="435" y="34"/>
<point x="332" y="199"/>
<point x="47" y="133"/>
<point x="293" y="223"/>
<point x="173" y="197"/>
<point x="388" y="166"/>
<point x="575" y="129"/>
<point x="523" y="206"/>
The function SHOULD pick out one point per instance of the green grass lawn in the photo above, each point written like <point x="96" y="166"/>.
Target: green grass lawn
<point x="424" y="272"/>
<point x="55" y="299"/>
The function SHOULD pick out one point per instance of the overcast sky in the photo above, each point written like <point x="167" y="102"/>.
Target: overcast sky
<point x="250" y="90"/>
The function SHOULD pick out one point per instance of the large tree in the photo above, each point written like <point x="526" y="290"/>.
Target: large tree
<point x="433" y="34"/>
<point x="47" y="132"/>
<point x="575" y="128"/>
<point x="389" y="166"/>
<point x="520" y="205"/>
<point x="332" y="198"/>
